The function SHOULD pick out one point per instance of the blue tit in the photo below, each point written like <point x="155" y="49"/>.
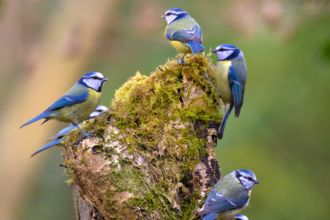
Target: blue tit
<point x="59" y="138"/>
<point x="230" y="77"/>
<point x="183" y="32"/>
<point x="229" y="195"/>
<point x="76" y="105"/>
<point x="241" y="217"/>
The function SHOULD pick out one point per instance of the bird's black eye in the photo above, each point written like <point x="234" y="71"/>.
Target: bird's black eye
<point x="222" y="49"/>
<point x="249" y="178"/>
<point x="94" y="77"/>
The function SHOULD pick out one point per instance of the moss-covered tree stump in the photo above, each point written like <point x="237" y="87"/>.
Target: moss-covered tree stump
<point x="153" y="155"/>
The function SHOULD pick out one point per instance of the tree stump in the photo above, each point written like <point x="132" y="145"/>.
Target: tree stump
<point x="153" y="155"/>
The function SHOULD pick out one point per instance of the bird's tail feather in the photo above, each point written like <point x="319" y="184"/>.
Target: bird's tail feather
<point x="52" y="144"/>
<point x="210" y="216"/>
<point x="41" y="116"/>
<point x="224" y="121"/>
<point x="196" y="47"/>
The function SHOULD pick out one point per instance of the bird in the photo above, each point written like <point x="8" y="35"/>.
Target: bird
<point x="230" y="78"/>
<point x="77" y="103"/>
<point x="241" y="217"/>
<point x="59" y="138"/>
<point x="229" y="195"/>
<point x="183" y="32"/>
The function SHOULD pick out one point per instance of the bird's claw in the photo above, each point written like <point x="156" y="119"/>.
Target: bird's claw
<point x="182" y="62"/>
<point x="89" y="135"/>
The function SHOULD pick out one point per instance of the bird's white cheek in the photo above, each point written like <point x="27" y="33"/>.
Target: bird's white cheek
<point x="170" y="18"/>
<point x="92" y="83"/>
<point x="224" y="54"/>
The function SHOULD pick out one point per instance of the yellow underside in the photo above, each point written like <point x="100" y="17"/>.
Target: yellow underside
<point x="221" y="77"/>
<point x="180" y="46"/>
<point x="79" y="112"/>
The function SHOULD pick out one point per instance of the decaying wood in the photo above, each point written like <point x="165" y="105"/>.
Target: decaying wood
<point x="95" y="196"/>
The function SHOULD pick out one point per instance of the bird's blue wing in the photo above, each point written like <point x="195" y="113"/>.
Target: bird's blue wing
<point x="237" y="85"/>
<point x="217" y="202"/>
<point x="68" y="100"/>
<point x="186" y="35"/>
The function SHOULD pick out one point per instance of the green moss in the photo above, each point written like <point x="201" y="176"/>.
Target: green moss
<point x="155" y="116"/>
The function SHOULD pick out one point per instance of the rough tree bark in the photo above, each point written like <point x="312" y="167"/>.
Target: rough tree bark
<point x="153" y="156"/>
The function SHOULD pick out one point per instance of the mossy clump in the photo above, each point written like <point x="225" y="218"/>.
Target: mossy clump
<point x="152" y="143"/>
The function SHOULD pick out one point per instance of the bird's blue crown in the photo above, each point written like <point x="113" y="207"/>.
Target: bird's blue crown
<point x="91" y="74"/>
<point x="177" y="10"/>
<point x="247" y="173"/>
<point x="229" y="46"/>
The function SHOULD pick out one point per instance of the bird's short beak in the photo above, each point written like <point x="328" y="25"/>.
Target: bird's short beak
<point x="214" y="50"/>
<point x="257" y="182"/>
<point x="105" y="79"/>
<point x="163" y="16"/>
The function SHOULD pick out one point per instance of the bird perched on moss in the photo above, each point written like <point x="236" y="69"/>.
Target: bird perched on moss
<point x="183" y="32"/>
<point x="76" y="105"/>
<point x="229" y="195"/>
<point x="230" y="77"/>
<point x="241" y="217"/>
<point x="59" y="138"/>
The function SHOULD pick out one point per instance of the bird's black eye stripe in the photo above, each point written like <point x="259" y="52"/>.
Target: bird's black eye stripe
<point x="222" y="49"/>
<point x="94" y="77"/>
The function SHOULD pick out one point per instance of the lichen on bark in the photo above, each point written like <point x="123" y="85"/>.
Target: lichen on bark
<point x="153" y="156"/>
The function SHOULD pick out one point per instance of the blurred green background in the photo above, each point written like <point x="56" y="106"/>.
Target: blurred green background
<point x="283" y="130"/>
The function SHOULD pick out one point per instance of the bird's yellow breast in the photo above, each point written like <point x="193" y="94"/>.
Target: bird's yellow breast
<point x="180" y="46"/>
<point x="79" y="112"/>
<point x="221" y="78"/>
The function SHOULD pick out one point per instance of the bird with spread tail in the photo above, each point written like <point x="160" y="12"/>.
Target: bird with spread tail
<point x="230" y="77"/>
<point x="77" y="103"/>
<point x="183" y="32"/>
<point x="229" y="195"/>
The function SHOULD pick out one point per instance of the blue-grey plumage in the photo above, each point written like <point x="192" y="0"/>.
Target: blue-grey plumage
<point x="183" y="32"/>
<point x="229" y="195"/>
<point x="230" y="76"/>
<point x="241" y="217"/>
<point x="59" y="138"/>
<point x="77" y="103"/>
